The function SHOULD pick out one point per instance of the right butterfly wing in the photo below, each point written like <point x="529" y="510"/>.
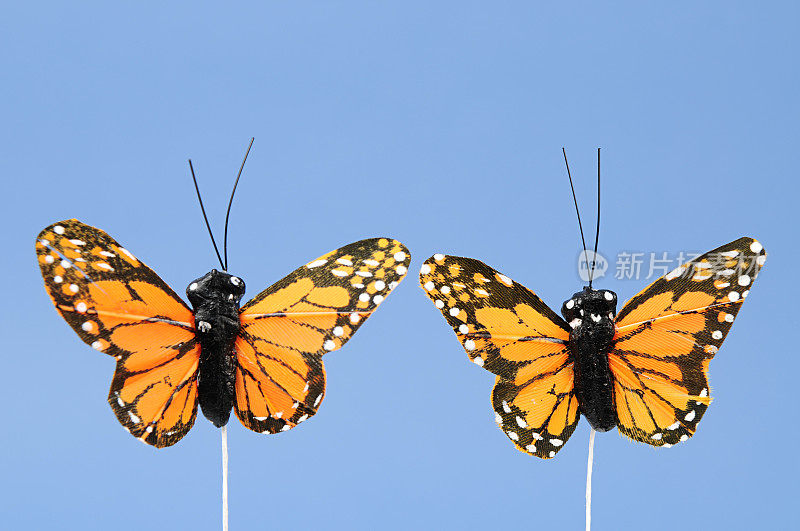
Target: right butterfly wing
<point x="287" y="328"/>
<point x="117" y="305"/>
<point x="666" y="337"/>
<point x="506" y="329"/>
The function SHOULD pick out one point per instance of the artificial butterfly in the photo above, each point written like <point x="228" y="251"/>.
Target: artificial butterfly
<point x="643" y="370"/>
<point x="263" y="360"/>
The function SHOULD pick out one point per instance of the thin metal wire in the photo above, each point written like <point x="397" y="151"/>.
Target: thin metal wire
<point x="575" y="199"/>
<point x="589" y="482"/>
<point x="230" y="203"/>
<point x="224" y="431"/>
<point x="597" y="234"/>
<point x="197" y="188"/>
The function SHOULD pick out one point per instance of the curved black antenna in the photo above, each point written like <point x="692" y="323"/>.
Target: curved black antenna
<point x="597" y="234"/>
<point x="228" y="213"/>
<point x="580" y="225"/>
<point x="204" y="215"/>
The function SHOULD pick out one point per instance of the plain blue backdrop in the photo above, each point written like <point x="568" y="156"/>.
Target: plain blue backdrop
<point x="437" y="123"/>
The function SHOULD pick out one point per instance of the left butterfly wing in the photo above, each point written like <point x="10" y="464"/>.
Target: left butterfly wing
<point x="119" y="306"/>
<point x="287" y="328"/>
<point x="507" y="329"/>
<point x="666" y="337"/>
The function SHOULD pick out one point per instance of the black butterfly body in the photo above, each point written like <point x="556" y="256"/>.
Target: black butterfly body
<point x="590" y="313"/>
<point x="215" y="299"/>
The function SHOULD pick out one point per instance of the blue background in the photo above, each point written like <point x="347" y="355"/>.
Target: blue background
<point x="440" y="124"/>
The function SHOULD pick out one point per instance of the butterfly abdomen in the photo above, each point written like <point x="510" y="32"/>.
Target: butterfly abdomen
<point x="215" y="298"/>
<point x="590" y="314"/>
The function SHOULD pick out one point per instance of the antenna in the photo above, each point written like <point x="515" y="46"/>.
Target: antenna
<point x="204" y="215"/>
<point x="580" y="225"/>
<point x="230" y="203"/>
<point x="597" y="234"/>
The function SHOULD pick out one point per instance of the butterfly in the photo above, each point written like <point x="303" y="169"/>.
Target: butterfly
<point x="262" y="360"/>
<point x="643" y="370"/>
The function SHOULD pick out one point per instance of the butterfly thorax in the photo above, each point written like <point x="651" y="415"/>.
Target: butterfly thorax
<point x="590" y="314"/>
<point x="215" y="299"/>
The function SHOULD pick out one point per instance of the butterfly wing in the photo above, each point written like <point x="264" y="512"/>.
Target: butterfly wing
<point x="287" y="328"/>
<point x="117" y="305"/>
<point x="666" y="337"/>
<point x="506" y="329"/>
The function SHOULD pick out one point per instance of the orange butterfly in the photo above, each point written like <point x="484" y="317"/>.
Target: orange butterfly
<point x="263" y="360"/>
<point x="644" y="369"/>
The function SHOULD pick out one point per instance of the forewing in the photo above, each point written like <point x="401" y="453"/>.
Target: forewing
<point x="117" y="305"/>
<point x="667" y="335"/>
<point x="286" y="329"/>
<point x="502" y="325"/>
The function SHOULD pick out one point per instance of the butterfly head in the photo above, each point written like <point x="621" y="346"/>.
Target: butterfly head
<point x="216" y="285"/>
<point x="590" y="305"/>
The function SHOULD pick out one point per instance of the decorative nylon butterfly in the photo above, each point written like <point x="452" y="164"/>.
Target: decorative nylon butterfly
<point x="263" y="360"/>
<point x="643" y="370"/>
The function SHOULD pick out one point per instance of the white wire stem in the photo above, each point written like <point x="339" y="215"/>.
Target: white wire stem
<point x="224" y="478"/>
<point x="589" y="482"/>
